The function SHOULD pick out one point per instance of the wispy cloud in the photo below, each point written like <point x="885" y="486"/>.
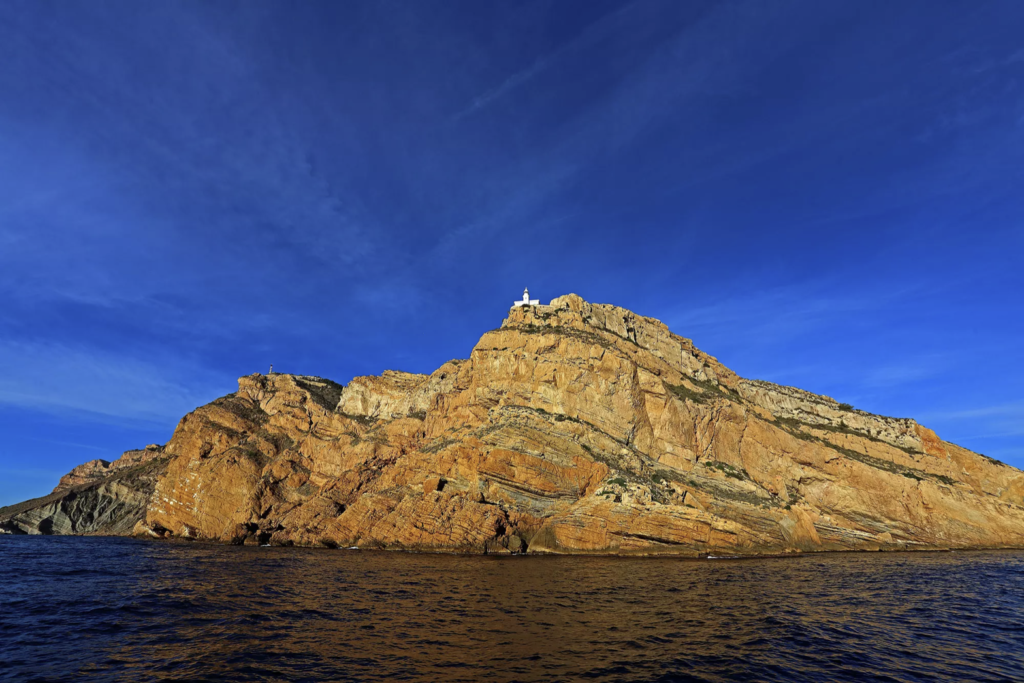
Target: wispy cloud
<point x="780" y="313"/>
<point x="71" y="444"/>
<point x="56" y="378"/>
<point x="155" y="168"/>
<point x="32" y="472"/>
<point x="908" y="371"/>
<point x="541" y="63"/>
<point x="993" y="421"/>
<point x="1013" y="410"/>
<point x="993" y="429"/>
<point x="509" y="84"/>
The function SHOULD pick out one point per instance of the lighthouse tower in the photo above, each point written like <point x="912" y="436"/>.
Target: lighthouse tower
<point x="527" y="301"/>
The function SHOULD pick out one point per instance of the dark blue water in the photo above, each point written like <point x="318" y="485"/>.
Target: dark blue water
<point x="125" y="610"/>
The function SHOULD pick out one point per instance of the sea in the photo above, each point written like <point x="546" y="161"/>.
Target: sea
<point x="117" y="609"/>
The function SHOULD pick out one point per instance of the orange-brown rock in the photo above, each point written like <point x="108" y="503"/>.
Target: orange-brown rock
<point x="97" y="470"/>
<point x="86" y="473"/>
<point x="573" y="428"/>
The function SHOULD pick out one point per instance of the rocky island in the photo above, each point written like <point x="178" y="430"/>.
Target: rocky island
<point x="572" y="428"/>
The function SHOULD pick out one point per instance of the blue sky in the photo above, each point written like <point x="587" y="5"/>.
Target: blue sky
<point x="826" y="195"/>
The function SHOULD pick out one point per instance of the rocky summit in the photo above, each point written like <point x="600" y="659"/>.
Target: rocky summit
<point x="572" y="428"/>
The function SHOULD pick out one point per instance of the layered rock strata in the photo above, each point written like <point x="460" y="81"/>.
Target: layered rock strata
<point x="94" y="499"/>
<point x="573" y="428"/>
<point x="97" y="470"/>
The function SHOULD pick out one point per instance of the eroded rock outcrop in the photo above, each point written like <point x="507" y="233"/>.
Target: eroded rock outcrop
<point x="96" y="500"/>
<point x="574" y="427"/>
<point x="97" y="470"/>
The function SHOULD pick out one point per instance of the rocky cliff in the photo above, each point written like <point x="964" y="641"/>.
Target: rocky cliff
<point x="573" y="428"/>
<point x="99" y="497"/>
<point x="95" y="471"/>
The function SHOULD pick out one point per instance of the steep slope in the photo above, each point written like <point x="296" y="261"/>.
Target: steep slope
<point x="98" y="498"/>
<point x="95" y="471"/>
<point x="574" y="427"/>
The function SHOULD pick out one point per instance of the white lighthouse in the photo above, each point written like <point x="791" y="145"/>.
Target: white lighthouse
<point x="527" y="301"/>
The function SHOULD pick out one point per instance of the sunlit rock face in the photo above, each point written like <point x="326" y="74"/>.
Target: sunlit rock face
<point x="573" y="428"/>
<point x="97" y="470"/>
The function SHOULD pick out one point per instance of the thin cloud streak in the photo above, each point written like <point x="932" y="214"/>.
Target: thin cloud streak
<point x="58" y="379"/>
<point x="509" y="84"/>
<point x="1013" y="409"/>
<point x="542" y="63"/>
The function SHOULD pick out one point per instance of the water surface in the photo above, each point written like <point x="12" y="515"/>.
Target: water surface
<point x="125" y="610"/>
